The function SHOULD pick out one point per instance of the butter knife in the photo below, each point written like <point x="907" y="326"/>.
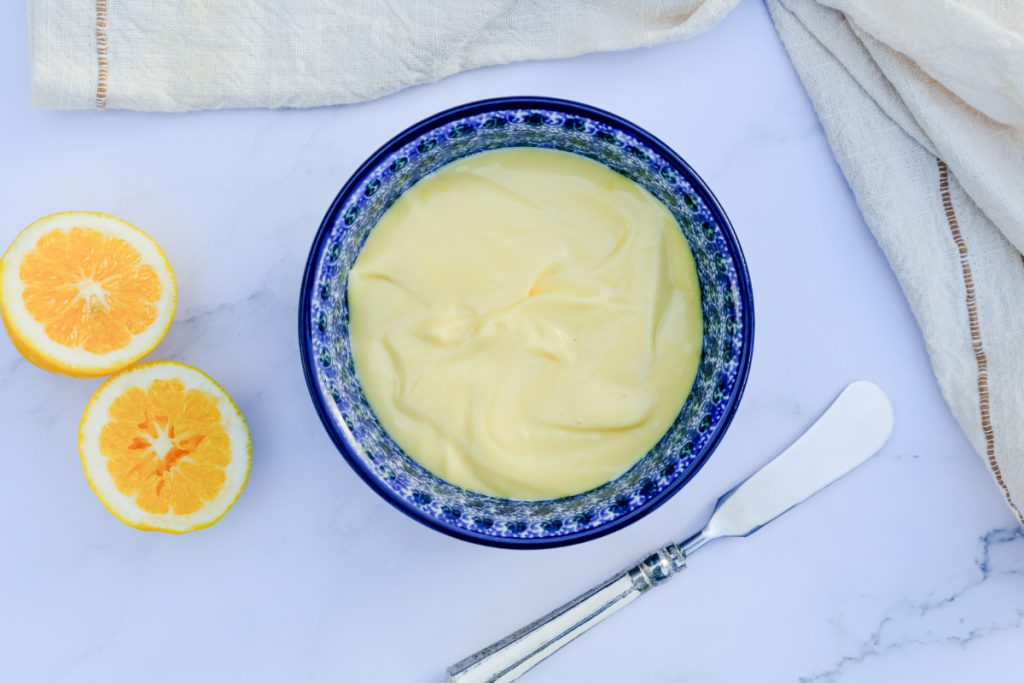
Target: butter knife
<point x="855" y="427"/>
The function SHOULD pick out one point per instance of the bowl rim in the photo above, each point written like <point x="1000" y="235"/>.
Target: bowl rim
<point x="480" y="107"/>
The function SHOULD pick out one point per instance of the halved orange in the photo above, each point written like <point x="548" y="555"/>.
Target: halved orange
<point x="85" y="294"/>
<point x="164" y="447"/>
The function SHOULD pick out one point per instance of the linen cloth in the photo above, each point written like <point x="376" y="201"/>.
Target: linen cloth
<point x="175" y="55"/>
<point x="921" y="100"/>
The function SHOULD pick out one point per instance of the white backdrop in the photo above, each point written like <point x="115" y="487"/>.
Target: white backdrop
<point x="910" y="568"/>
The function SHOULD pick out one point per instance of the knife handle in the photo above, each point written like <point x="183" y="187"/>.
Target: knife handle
<point x="511" y="657"/>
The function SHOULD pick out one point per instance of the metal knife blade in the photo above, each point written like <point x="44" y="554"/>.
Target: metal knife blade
<point x="849" y="432"/>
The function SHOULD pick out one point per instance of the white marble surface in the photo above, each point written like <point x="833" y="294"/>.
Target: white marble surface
<point x="909" y="569"/>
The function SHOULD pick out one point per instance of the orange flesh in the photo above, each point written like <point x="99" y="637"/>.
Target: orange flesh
<point x="167" y="447"/>
<point x="88" y="289"/>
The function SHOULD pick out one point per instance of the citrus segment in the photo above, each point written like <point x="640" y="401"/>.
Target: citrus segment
<point x="85" y="294"/>
<point x="164" y="447"/>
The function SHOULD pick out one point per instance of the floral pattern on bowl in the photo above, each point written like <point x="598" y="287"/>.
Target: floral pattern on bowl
<point x="726" y="301"/>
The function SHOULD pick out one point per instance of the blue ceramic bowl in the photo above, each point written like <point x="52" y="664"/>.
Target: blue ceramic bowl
<point x="533" y="122"/>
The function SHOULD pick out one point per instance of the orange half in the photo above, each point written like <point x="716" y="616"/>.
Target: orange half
<point x="164" y="447"/>
<point x="85" y="294"/>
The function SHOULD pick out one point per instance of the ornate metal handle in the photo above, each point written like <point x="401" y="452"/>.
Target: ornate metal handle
<point x="511" y="657"/>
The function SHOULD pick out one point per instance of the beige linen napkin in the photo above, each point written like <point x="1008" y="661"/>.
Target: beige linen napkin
<point x="918" y="98"/>
<point x="176" y="55"/>
<point x="922" y="102"/>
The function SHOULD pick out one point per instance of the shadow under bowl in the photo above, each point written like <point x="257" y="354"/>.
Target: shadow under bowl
<point x="726" y="302"/>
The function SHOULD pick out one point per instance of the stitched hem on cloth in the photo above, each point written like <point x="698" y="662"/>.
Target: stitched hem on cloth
<point x="975" y="327"/>
<point x="101" y="53"/>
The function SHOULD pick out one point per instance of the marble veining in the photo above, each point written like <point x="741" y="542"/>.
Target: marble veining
<point x="911" y="624"/>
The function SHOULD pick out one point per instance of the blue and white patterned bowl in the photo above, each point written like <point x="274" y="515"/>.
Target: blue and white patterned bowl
<point x="535" y="122"/>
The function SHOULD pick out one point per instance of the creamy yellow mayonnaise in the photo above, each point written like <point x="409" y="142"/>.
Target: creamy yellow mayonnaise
<point x="526" y="323"/>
